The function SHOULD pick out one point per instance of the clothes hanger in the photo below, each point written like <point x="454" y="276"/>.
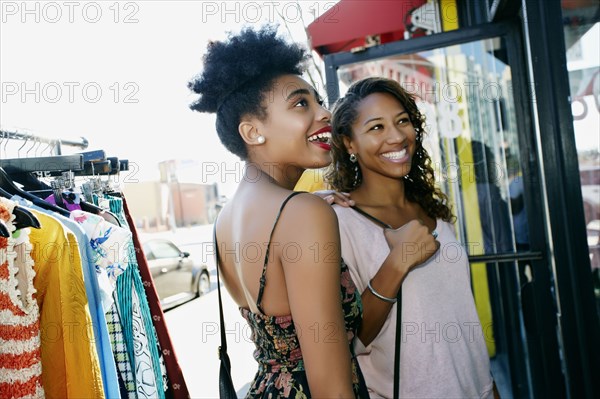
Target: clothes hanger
<point x="88" y="163"/>
<point x="90" y="169"/>
<point x="4" y="194"/>
<point x="54" y="165"/>
<point x="106" y="214"/>
<point x="23" y="217"/>
<point x="10" y="188"/>
<point x="4" y="232"/>
<point x="28" y="180"/>
<point x="22" y="170"/>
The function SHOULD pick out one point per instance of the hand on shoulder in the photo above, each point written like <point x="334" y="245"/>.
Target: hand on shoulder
<point x="335" y="197"/>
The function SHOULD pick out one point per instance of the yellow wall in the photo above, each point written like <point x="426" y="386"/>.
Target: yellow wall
<point x="449" y="18"/>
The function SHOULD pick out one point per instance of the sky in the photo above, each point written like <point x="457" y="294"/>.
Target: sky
<point x="116" y="73"/>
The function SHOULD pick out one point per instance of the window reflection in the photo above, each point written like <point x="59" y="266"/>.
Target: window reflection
<point x="582" y="40"/>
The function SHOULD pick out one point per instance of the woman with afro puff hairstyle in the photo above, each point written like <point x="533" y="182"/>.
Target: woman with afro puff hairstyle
<point x="279" y="249"/>
<point x="390" y="239"/>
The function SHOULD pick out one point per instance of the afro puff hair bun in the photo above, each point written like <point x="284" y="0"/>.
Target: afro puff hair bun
<point x="241" y="59"/>
<point x="237" y="74"/>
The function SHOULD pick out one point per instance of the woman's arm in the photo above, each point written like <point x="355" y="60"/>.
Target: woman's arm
<point x="386" y="282"/>
<point x="310" y="256"/>
<point x="410" y="245"/>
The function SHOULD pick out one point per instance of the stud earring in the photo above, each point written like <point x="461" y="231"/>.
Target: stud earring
<point x="353" y="158"/>
<point x="261" y="139"/>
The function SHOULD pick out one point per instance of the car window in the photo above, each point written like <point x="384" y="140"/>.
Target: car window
<point x="163" y="249"/>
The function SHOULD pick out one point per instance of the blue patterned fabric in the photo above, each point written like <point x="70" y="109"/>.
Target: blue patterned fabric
<point x="128" y="285"/>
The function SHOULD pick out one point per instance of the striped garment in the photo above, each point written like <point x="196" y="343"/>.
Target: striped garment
<point x="119" y="348"/>
<point x="20" y="344"/>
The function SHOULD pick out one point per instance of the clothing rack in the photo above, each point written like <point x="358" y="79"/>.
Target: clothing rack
<point x="90" y="163"/>
<point x="56" y="143"/>
<point x="95" y="267"/>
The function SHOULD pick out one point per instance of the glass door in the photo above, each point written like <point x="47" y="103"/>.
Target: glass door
<point x="471" y="87"/>
<point x="582" y="38"/>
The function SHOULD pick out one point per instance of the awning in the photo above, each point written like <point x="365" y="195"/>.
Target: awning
<point x="347" y="23"/>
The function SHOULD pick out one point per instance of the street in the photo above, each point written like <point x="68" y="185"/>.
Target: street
<point x="194" y="326"/>
<point x="195" y="332"/>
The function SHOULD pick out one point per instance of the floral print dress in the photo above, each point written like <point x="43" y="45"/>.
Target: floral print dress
<point x="281" y="372"/>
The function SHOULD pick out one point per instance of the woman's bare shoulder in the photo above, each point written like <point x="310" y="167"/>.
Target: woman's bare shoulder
<point x="311" y="217"/>
<point x="309" y="206"/>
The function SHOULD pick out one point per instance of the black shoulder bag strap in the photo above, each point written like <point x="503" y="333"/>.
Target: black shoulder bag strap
<point x="398" y="342"/>
<point x="398" y="314"/>
<point x="226" y="388"/>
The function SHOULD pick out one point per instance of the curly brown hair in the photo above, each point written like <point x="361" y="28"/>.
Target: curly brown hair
<point x="419" y="184"/>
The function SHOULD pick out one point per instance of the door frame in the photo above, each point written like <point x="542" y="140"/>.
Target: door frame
<point x="577" y="312"/>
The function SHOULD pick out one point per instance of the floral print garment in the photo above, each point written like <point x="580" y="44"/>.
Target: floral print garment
<point x="109" y="244"/>
<point x="281" y="371"/>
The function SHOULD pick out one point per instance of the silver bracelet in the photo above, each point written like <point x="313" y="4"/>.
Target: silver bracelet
<point x="378" y="295"/>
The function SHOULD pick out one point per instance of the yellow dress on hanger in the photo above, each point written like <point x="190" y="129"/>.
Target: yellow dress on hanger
<point x="70" y="364"/>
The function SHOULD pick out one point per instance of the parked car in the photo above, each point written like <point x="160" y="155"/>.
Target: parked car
<point x="176" y="277"/>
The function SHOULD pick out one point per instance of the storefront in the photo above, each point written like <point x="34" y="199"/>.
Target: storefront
<point x="511" y="91"/>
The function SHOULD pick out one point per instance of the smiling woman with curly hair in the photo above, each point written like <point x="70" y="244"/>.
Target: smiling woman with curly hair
<point x="419" y="183"/>
<point x="391" y="242"/>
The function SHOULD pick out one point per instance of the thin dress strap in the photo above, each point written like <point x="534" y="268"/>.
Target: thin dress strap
<point x="263" y="277"/>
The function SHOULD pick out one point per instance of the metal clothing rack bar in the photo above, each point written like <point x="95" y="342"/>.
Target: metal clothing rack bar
<point x="56" y="163"/>
<point x="57" y="143"/>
